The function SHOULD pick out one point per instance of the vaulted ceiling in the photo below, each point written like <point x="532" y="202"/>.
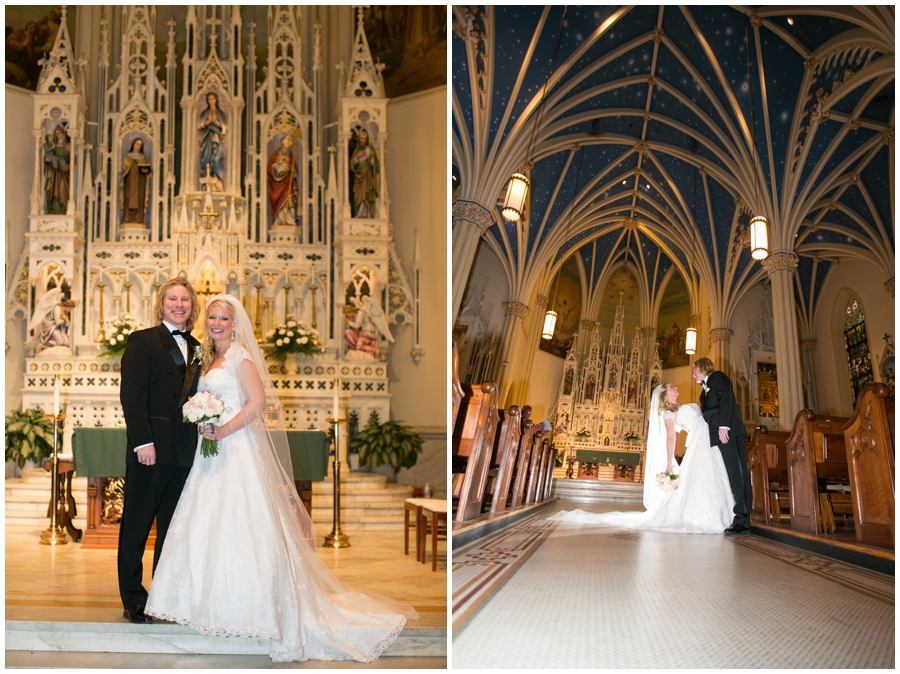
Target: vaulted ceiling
<point x="653" y="146"/>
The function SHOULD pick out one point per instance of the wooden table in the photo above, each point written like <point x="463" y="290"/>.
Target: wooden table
<point x="414" y="505"/>
<point x="99" y="455"/>
<point x="436" y="512"/>
<point x="625" y="463"/>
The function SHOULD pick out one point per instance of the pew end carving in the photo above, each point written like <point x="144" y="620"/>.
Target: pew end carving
<point x="769" y="480"/>
<point x="473" y="441"/>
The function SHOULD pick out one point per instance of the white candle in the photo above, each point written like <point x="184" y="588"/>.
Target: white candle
<point x="337" y="399"/>
<point x="56" y="395"/>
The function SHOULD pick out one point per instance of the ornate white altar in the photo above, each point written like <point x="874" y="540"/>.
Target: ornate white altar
<point x="246" y="199"/>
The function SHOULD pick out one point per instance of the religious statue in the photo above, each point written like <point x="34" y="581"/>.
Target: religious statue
<point x="284" y="183"/>
<point x="631" y="391"/>
<point x="134" y="188"/>
<point x="613" y="372"/>
<point x="212" y="150"/>
<point x="589" y="388"/>
<point x="363" y="328"/>
<point x="57" y="156"/>
<point x="364" y="165"/>
<point x="50" y="322"/>
<point x="567" y="385"/>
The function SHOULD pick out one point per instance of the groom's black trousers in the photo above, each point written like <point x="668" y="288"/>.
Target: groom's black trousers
<point x="150" y="491"/>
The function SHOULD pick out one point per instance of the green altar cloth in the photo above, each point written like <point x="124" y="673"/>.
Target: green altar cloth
<point x="100" y="452"/>
<point x="617" y="458"/>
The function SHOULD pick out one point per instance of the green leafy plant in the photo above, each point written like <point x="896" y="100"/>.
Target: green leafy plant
<point x="29" y="435"/>
<point x="389" y="443"/>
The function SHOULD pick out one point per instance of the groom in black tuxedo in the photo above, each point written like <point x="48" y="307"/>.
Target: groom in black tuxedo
<point x="159" y="373"/>
<point x="726" y="429"/>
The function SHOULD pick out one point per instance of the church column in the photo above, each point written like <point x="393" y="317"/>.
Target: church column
<point x="809" y="365"/>
<point x="649" y="339"/>
<point x="780" y="267"/>
<point x="533" y="330"/>
<point x="470" y="222"/>
<point x="719" y="339"/>
<point x="515" y="313"/>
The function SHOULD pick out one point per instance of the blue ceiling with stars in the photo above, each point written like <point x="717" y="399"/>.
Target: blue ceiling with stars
<point x="687" y="121"/>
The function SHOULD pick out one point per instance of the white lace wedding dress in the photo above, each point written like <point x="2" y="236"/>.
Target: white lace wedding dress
<point x="703" y="502"/>
<point x="230" y="565"/>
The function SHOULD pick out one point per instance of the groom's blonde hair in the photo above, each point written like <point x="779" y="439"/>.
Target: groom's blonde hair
<point x="161" y="295"/>
<point x="705" y="365"/>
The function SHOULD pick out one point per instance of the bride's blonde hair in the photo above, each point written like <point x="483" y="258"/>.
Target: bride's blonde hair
<point x="664" y="404"/>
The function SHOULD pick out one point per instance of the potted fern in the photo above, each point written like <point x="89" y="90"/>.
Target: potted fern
<point x="389" y="443"/>
<point x="29" y="437"/>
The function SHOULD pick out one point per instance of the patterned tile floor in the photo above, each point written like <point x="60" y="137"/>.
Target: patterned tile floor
<point x="566" y="596"/>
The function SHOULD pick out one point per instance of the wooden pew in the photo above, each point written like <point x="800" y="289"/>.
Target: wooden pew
<point x="548" y="476"/>
<point x="456" y="391"/>
<point x="503" y="458"/>
<point x="473" y="439"/>
<point x="869" y="437"/>
<point x="537" y="452"/>
<point x="816" y="455"/>
<point x="769" y="480"/>
<point x="541" y="471"/>
<point x="523" y="459"/>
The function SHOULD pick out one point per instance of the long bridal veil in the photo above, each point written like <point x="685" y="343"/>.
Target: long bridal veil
<point x="655" y="458"/>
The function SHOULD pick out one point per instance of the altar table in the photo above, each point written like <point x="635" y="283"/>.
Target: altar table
<point x="624" y="462"/>
<point x="100" y="454"/>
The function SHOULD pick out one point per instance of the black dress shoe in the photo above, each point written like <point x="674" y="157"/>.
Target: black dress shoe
<point x="737" y="530"/>
<point x="136" y="614"/>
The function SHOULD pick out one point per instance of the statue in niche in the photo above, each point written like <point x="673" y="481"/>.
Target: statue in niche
<point x="212" y="150"/>
<point x="364" y="165"/>
<point x="589" y="389"/>
<point x="632" y="390"/>
<point x="365" y="322"/>
<point x="284" y="182"/>
<point x="57" y="157"/>
<point x="50" y="322"/>
<point x="613" y="372"/>
<point x="567" y="384"/>
<point x="134" y="188"/>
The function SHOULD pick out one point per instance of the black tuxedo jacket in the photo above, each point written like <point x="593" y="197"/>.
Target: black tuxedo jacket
<point x="156" y="382"/>
<point x="720" y="408"/>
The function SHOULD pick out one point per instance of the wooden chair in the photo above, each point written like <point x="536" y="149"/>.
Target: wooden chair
<point x="413" y="506"/>
<point x="769" y="480"/>
<point x="816" y="458"/>
<point x="869" y="437"/>
<point x="506" y="445"/>
<point x="473" y="440"/>
<point x="523" y="459"/>
<point x="66" y="509"/>
<point x="432" y="516"/>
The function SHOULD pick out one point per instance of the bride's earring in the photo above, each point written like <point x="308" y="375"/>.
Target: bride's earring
<point x="232" y="335"/>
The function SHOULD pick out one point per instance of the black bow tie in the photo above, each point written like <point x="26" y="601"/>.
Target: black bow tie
<point x="180" y="332"/>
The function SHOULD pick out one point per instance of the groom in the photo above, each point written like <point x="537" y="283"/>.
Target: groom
<point x="159" y="373"/>
<point x="726" y="429"/>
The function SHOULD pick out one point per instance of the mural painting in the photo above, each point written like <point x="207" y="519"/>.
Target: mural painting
<point x="30" y="34"/>
<point x="566" y="301"/>
<point x="674" y="319"/>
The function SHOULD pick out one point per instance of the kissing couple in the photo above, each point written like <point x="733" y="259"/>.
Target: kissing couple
<point x="713" y="484"/>
<point x="235" y="550"/>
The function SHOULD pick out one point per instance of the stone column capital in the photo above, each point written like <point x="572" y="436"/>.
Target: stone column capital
<point x="889" y="285"/>
<point x="586" y="325"/>
<point x="695" y="320"/>
<point x="473" y="212"/>
<point x="809" y="344"/>
<point x="780" y="262"/>
<point x="648" y="332"/>
<point x="720" y="335"/>
<point x="515" y="308"/>
<point x="543" y="301"/>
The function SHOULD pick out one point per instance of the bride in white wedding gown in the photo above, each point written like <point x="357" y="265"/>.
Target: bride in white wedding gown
<point x="240" y="556"/>
<point x="702" y="503"/>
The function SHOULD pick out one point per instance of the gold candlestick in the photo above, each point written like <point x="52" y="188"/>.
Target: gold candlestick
<point x="101" y="286"/>
<point x="128" y="297"/>
<point x="312" y="289"/>
<point x="287" y="293"/>
<point x="55" y="534"/>
<point x="337" y="538"/>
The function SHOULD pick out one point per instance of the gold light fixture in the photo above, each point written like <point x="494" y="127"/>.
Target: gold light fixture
<point x="690" y="341"/>
<point x="549" y="325"/>
<point x="759" y="237"/>
<point x="516" y="191"/>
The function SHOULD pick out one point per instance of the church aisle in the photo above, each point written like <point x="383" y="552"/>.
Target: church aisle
<point x="590" y="596"/>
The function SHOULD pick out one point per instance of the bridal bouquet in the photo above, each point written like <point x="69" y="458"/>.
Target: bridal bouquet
<point x="667" y="481"/>
<point x="203" y="408"/>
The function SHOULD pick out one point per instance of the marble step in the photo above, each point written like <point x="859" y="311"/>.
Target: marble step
<point x="166" y="638"/>
<point x="598" y="490"/>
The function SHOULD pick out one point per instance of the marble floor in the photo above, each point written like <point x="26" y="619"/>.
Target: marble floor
<point x="550" y="595"/>
<point x="69" y="584"/>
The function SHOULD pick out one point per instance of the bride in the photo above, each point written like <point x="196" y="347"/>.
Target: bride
<point x="240" y="557"/>
<point x="702" y="503"/>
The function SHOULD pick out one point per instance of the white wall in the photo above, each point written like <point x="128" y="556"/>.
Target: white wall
<point x="416" y="165"/>
<point x="546" y="375"/>
<point x="857" y="277"/>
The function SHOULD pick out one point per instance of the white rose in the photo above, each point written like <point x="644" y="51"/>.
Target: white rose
<point x="120" y="338"/>
<point x="303" y="340"/>
<point x="292" y="324"/>
<point x="290" y="333"/>
<point x="281" y="332"/>
<point x="280" y="342"/>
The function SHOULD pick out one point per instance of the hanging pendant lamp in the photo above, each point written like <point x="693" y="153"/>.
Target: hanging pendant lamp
<point x="690" y="341"/>
<point x="516" y="191"/>
<point x="549" y="325"/>
<point x="759" y="225"/>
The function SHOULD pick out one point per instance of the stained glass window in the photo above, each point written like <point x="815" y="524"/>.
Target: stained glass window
<point x="858" y="360"/>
